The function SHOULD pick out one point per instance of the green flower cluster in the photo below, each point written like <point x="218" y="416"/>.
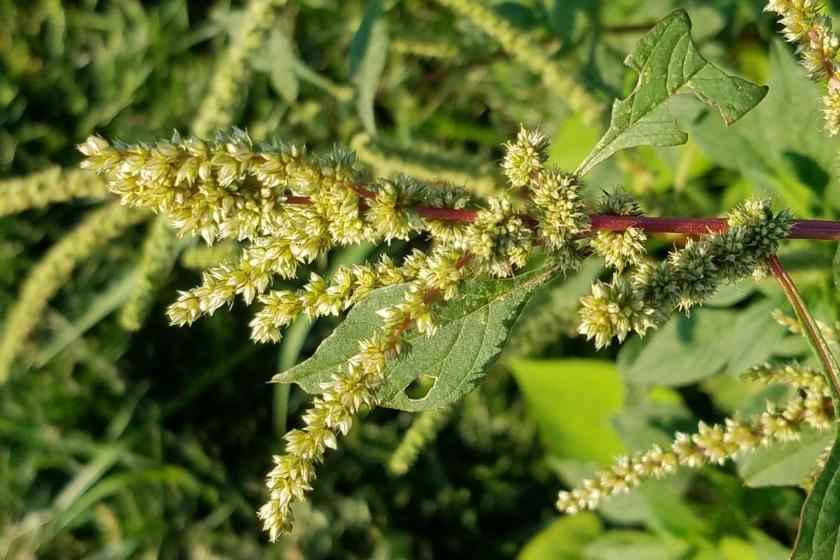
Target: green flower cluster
<point x="526" y="50"/>
<point x="424" y="429"/>
<point x="51" y="186"/>
<point x="288" y="208"/>
<point x="714" y="444"/>
<point x="644" y="297"/>
<point x="803" y="24"/>
<point x="619" y="249"/>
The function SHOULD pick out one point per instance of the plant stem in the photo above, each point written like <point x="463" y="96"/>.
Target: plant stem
<point x="809" y="328"/>
<point x="800" y="229"/>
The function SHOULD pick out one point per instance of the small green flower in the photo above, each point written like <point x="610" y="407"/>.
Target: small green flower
<point x="525" y="157"/>
<point x="613" y="311"/>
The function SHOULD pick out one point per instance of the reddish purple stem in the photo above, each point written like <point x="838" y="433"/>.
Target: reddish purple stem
<point x="801" y="229"/>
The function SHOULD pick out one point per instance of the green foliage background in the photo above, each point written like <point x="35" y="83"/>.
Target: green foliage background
<point x="154" y="443"/>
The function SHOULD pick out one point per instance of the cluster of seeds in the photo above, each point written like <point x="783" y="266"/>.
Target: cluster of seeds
<point x="289" y="208"/>
<point x="714" y="444"/>
<point x="804" y="25"/>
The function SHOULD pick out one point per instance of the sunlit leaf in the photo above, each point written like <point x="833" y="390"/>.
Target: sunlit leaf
<point x="668" y="64"/>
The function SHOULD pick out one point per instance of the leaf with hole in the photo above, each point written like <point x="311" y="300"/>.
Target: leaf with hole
<point x="472" y="330"/>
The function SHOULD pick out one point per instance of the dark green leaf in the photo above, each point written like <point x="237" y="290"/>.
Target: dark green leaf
<point x="818" y="527"/>
<point x="668" y="63"/>
<point x="471" y="333"/>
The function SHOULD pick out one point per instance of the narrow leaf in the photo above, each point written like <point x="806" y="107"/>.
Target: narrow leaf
<point x="101" y="305"/>
<point x="471" y="333"/>
<point x="368" y="53"/>
<point x="668" y="64"/>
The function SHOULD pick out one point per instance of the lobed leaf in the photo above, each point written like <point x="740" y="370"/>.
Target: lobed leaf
<point x="472" y="330"/>
<point x="668" y="64"/>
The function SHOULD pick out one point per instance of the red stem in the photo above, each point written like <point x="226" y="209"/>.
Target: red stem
<point x="813" y="334"/>
<point x="801" y="229"/>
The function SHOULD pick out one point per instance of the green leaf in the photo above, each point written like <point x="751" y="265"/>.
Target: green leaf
<point x="471" y="333"/>
<point x="684" y="351"/>
<point x="781" y="145"/>
<point x="572" y="402"/>
<point x="277" y="59"/>
<point x="565" y="539"/>
<point x="818" y="536"/>
<point x="636" y="545"/>
<point x="753" y="337"/>
<point x="785" y="464"/>
<point x="668" y="64"/>
<point x="758" y="547"/>
<point x="368" y="53"/>
<point x="101" y="305"/>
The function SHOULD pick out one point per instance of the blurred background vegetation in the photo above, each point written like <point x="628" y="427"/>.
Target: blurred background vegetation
<point x="125" y="443"/>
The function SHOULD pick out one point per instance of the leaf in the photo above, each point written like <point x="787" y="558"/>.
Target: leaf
<point x="564" y="539"/>
<point x="636" y="545"/>
<point x="785" y="464"/>
<point x="758" y="547"/>
<point x="278" y="60"/>
<point x="817" y="538"/>
<point x="471" y="333"/>
<point x="781" y="145"/>
<point x="572" y="402"/>
<point x="684" y="351"/>
<point x="668" y="64"/>
<point x="368" y="53"/>
<point x="753" y="336"/>
<point x="101" y="305"/>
